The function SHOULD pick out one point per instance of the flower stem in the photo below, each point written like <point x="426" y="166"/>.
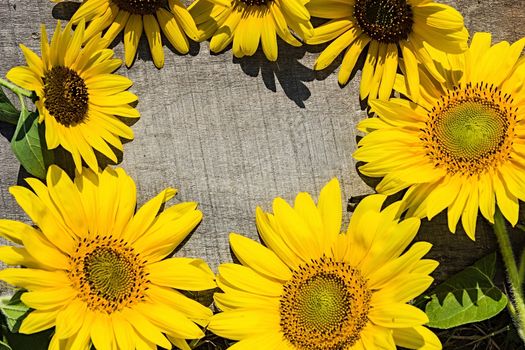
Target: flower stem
<point x="15" y="88"/>
<point x="521" y="270"/>
<point x="21" y="93"/>
<point x="516" y="297"/>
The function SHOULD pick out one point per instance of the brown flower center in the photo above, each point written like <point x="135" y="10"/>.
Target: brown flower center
<point x="324" y="306"/>
<point x="108" y="274"/>
<point x="65" y="95"/>
<point x="471" y="130"/>
<point x="386" y="21"/>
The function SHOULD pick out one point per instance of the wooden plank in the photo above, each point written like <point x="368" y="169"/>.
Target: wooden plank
<point x="235" y="133"/>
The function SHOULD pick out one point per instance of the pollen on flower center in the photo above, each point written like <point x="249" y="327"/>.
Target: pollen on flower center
<point x="108" y="274"/>
<point x="386" y="21"/>
<point x="139" y="7"/>
<point x="66" y="95"/>
<point x="324" y="306"/>
<point x="471" y="130"/>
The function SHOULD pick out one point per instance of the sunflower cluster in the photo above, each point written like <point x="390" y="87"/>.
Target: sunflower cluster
<point x="446" y="129"/>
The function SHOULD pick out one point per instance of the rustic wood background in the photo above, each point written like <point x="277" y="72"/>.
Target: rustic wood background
<point x="235" y="133"/>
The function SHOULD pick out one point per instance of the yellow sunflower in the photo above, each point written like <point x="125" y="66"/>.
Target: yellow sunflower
<point x="462" y="145"/>
<point x="136" y="16"/>
<point x="393" y="33"/>
<point x="314" y="288"/>
<point x="97" y="271"/>
<point x="248" y="22"/>
<point x="78" y="97"/>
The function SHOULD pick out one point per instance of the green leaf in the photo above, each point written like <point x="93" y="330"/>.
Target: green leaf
<point x="29" y="145"/>
<point x="14" y="313"/>
<point x="8" y="112"/>
<point x="469" y="296"/>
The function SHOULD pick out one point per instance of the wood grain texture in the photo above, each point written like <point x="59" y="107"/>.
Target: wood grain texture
<point x="232" y="134"/>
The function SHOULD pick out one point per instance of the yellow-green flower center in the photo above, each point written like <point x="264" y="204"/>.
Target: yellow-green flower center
<point x="471" y="130"/>
<point x="65" y="95"/>
<point x="108" y="274"/>
<point x="386" y="21"/>
<point x="324" y="306"/>
<point x="139" y="7"/>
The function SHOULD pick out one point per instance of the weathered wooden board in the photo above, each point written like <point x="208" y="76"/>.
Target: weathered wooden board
<point x="235" y="133"/>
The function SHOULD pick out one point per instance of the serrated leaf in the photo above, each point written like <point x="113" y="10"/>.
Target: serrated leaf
<point x="29" y="146"/>
<point x="8" y="112"/>
<point x="469" y="296"/>
<point x="14" y="313"/>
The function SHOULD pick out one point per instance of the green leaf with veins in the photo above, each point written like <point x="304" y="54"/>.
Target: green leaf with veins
<point x="29" y="146"/>
<point x="469" y="296"/>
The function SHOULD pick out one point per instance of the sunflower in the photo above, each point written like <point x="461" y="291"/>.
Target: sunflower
<point x="314" y="288"/>
<point x="78" y="97"/>
<point x="461" y="146"/>
<point x="393" y="33"/>
<point x="96" y="271"/>
<point x="134" y="16"/>
<point x="248" y="22"/>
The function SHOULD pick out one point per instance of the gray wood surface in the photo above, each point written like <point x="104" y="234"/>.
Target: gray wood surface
<point x="235" y="133"/>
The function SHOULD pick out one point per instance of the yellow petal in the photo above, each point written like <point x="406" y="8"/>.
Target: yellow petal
<point x="132" y="34"/>
<point x="73" y="49"/>
<point x="146" y="215"/>
<point x="268" y="38"/>
<point x="295" y="231"/>
<point x="330" y="9"/>
<point x="244" y="278"/>
<point x="397" y="315"/>
<point x="259" y="258"/>
<point x="123" y="332"/>
<point x="33" y="279"/>
<point x="335" y="48"/>
<point x="404" y="263"/>
<point x="274" y="241"/>
<point x="49" y="299"/>
<point x="33" y="61"/>
<point x="389" y="72"/>
<point x="189" y="307"/>
<point x="102" y="332"/>
<point x="166" y="234"/>
<point x="241" y="324"/>
<point x="44" y="251"/>
<point x="330" y="30"/>
<point x="38" y="321"/>
<point x="26" y="78"/>
<point x="224" y="35"/>
<point x="281" y="26"/>
<point x="117" y="26"/>
<point x="182" y="273"/>
<point x="351" y="56"/>
<point x="145" y="328"/>
<point x="173" y="31"/>
<point x="169" y="320"/>
<point x="66" y="196"/>
<point x="184" y="19"/>
<point x="418" y="337"/>
<point x="331" y="209"/>
<point x="71" y="319"/>
<point x="369" y="69"/>
<point x="152" y="30"/>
